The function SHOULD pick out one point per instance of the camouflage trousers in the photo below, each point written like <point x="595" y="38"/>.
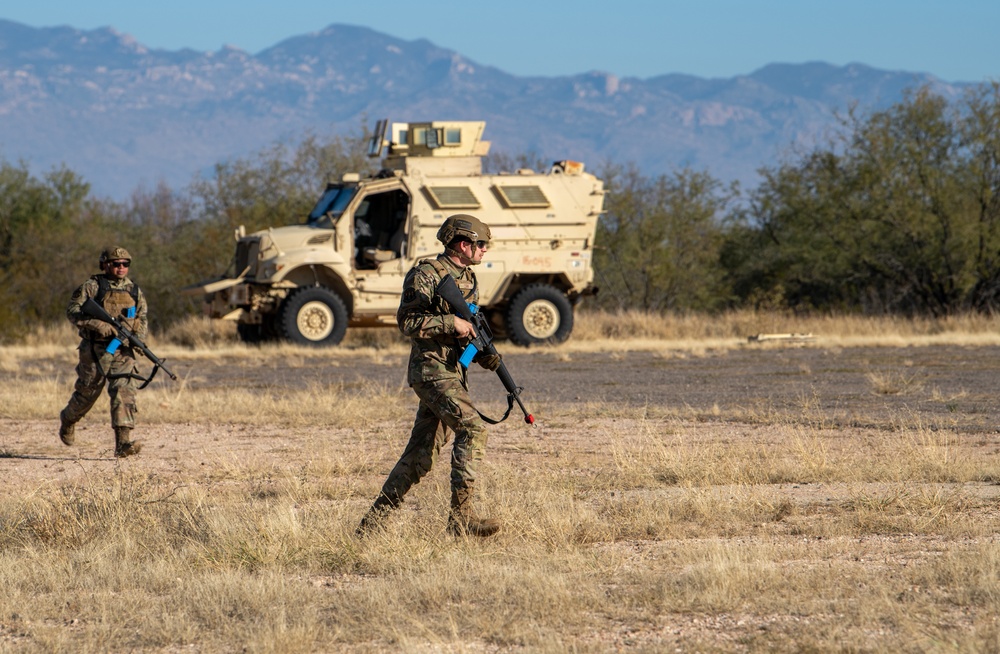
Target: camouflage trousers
<point x="444" y="405"/>
<point x="97" y="367"/>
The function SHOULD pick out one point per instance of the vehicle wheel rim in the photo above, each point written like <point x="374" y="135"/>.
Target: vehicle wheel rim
<point x="315" y="321"/>
<point x="541" y="319"/>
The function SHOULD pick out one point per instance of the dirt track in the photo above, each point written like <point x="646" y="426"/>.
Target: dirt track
<point x="934" y="387"/>
<point x="717" y="396"/>
<point x="942" y="386"/>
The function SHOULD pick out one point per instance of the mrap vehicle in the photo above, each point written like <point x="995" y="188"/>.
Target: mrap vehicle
<point x="345" y="264"/>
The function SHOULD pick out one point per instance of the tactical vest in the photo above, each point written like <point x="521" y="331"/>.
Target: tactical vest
<point x="468" y="287"/>
<point x="120" y="303"/>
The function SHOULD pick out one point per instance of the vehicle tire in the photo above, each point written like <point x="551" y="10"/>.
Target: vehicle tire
<point x="538" y="314"/>
<point x="313" y="316"/>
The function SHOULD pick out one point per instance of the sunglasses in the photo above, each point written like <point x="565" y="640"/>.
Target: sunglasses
<point x="119" y="264"/>
<point x="482" y="245"/>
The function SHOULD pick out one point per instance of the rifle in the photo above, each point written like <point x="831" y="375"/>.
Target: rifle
<point x="483" y="342"/>
<point x="125" y="335"/>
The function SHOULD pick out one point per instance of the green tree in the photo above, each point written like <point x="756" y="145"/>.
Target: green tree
<point x="277" y="186"/>
<point x="980" y="135"/>
<point x="898" y="215"/>
<point x="160" y="229"/>
<point x="40" y="221"/>
<point x="660" y="239"/>
<point x="918" y="248"/>
<point x="793" y="244"/>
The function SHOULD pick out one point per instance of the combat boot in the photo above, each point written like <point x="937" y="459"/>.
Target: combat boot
<point x="463" y="521"/>
<point x="123" y="446"/>
<point x="375" y="518"/>
<point x="66" y="429"/>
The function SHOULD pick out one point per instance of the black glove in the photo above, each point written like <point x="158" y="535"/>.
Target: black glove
<point x="489" y="361"/>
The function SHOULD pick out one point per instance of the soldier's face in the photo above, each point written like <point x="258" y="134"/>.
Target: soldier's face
<point x="474" y="250"/>
<point x="117" y="268"/>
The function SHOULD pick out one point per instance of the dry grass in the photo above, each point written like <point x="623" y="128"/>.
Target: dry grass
<point x="649" y="529"/>
<point x="666" y="543"/>
<point x="699" y="330"/>
<point x="631" y="329"/>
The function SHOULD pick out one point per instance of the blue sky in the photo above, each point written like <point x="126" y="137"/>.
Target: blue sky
<point x="955" y="40"/>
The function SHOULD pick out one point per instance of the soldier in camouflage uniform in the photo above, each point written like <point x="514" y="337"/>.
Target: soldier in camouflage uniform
<point x="440" y="382"/>
<point x="123" y="299"/>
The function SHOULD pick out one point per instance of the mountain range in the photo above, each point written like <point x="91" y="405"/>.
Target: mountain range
<point x="123" y="115"/>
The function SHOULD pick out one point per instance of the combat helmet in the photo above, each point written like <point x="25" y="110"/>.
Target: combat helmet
<point x="114" y="253"/>
<point x="464" y="225"/>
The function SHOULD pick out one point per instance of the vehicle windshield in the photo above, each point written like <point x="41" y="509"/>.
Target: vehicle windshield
<point x="331" y="205"/>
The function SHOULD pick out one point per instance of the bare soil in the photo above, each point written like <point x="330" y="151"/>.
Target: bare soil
<point x="719" y="395"/>
<point x="940" y="386"/>
<point x="937" y="387"/>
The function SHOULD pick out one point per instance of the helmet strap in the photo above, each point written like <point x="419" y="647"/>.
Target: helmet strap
<point x="455" y="254"/>
<point x="462" y="258"/>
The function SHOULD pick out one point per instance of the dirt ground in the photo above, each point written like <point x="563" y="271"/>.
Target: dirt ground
<point x="716" y="395"/>
<point x="941" y="386"/>
<point x="931" y="387"/>
<point x="836" y="381"/>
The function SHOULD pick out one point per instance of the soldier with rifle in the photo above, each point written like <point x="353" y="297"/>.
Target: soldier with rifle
<point x="109" y="311"/>
<point x="438" y="338"/>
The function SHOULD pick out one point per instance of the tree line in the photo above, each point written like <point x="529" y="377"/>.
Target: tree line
<point x="898" y="213"/>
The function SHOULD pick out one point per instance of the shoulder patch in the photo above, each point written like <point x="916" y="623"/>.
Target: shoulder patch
<point x="409" y="294"/>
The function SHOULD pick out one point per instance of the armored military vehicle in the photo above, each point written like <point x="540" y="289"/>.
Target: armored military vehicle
<point x="345" y="263"/>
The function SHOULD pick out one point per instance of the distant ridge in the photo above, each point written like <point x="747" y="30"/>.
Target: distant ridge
<point x="121" y="114"/>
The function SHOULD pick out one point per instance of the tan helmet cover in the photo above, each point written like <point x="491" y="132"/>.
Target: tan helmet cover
<point x="463" y="225"/>
<point x="114" y="253"/>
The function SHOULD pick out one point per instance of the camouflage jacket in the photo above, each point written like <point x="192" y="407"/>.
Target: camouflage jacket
<point x="429" y="322"/>
<point x="117" y="288"/>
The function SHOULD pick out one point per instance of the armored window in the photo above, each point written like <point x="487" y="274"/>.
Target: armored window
<point x="435" y="137"/>
<point x="452" y="197"/>
<point x="522" y="197"/>
<point x="334" y="200"/>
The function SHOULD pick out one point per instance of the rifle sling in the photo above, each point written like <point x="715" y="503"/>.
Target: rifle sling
<point x="145" y="380"/>
<point x="493" y="421"/>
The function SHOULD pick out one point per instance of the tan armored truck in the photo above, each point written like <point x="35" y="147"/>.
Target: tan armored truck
<point x="344" y="265"/>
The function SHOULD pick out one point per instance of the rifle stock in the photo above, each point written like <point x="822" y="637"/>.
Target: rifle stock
<point x="448" y="290"/>
<point x="125" y="335"/>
